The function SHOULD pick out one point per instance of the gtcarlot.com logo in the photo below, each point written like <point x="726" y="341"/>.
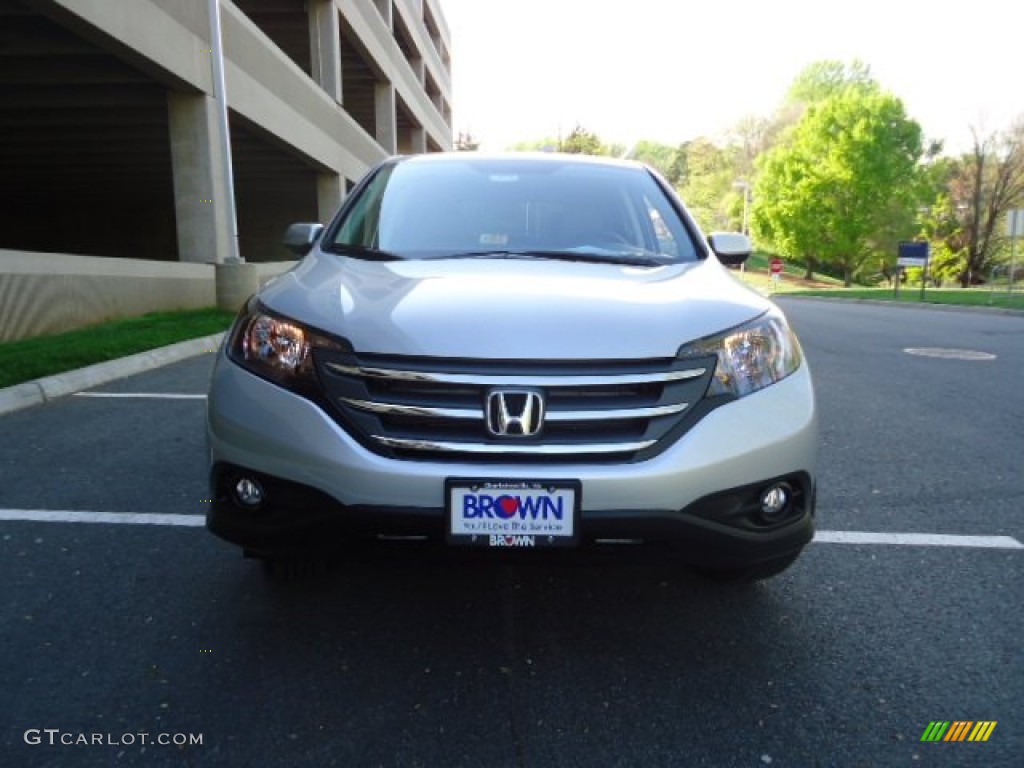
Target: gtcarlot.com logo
<point x="56" y="737"/>
<point x="958" y="730"/>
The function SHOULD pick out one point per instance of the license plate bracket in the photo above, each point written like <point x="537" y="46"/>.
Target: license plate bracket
<point x="512" y="513"/>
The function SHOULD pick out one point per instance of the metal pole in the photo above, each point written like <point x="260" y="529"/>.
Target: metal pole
<point x="746" y="209"/>
<point x="1015" y="226"/>
<point x="220" y="96"/>
<point x="1013" y="267"/>
<point x="746" y="220"/>
<point x="924" y="268"/>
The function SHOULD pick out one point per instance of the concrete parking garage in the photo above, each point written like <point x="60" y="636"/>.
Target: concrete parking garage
<point x="110" y="143"/>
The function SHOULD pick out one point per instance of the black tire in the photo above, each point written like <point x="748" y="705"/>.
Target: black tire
<point x="746" y="574"/>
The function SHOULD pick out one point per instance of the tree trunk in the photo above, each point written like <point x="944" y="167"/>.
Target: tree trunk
<point x="847" y="277"/>
<point x="809" y="268"/>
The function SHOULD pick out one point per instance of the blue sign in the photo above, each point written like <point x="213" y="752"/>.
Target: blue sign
<point x="912" y="253"/>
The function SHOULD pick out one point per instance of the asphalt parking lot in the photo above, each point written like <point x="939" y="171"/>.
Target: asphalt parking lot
<point x="123" y="619"/>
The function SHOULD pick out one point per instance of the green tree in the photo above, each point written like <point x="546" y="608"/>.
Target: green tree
<point x="707" y="188"/>
<point x="658" y="156"/>
<point x="678" y="169"/>
<point x="547" y="144"/>
<point x="985" y="185"/>
<point x="580" y="141"/>
<point x="828" y="192"/>
<point x="751" y="136"/>
<point x="941" y="219"/>
<point x="822" y="80"/>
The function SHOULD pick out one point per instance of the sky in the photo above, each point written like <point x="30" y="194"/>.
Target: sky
<point x="674" y="70"/>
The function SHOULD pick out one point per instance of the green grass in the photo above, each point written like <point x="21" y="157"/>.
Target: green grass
<point x="29" y="359"/>
<point x="33" y="358"/>
<point x="756" y="275"/>
<point x="968" y="297"/>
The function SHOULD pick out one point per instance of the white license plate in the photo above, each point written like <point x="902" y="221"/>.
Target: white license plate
<point x="516" y="514"/>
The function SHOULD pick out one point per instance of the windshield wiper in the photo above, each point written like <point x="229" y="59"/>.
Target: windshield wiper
<point x="592" y="257"/>
<point x="362" y="252"/>
<point x="601" y="257"/>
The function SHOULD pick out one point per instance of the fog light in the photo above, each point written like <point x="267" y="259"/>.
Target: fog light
<point x="774" y="501"/>
<point x="248" y="492"/>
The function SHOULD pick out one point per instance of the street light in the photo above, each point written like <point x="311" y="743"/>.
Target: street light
<point x="745" y="186"/>
<point x="745" y="228"/>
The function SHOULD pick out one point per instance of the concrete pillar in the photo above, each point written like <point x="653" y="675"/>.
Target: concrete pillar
<point x="419" y="67"/>
<point x="386" y="117"/>
<point x="330" y="192"/>
<point x="417" y="140"/>
<point x="235" y="283"/>
<point x="200" y="191"/>
<point x="325" y="47"/>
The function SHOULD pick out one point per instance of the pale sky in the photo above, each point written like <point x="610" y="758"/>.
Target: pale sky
<point x="672" y="70"/>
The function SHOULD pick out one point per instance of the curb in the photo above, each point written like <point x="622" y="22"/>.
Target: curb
<point x="967" y="308"/>
<point x="43" y="390"/>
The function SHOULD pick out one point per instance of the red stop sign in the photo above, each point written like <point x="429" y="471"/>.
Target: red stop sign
<point x="776" y="266"/>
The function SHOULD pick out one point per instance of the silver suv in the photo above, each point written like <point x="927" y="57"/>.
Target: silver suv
<point x="514" y="352"/>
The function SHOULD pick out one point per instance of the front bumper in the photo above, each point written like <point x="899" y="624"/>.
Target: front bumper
<point x="722" y="530"/>
<point x="698" y="495"/>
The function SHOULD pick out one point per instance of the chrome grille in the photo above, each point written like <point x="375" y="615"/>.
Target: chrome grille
<point x="434" y="409"/>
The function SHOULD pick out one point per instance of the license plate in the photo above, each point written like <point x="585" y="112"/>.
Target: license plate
<point x="513" y="513"/>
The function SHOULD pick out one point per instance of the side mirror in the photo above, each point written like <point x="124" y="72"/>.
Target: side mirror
<point x="731" y="248"/>
<point x="299" y="238"/>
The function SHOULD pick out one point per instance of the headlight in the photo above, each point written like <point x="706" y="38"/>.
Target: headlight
<point x="277" y="348"/>
<point x="751" y="356"/>
<point x="275" y="344"/>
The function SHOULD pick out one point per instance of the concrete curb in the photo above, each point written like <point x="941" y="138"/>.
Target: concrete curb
<point x="904" y="305"/>
<point x="43" y="390"/>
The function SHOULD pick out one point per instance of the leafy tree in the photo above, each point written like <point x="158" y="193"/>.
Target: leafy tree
<point x="580" y="141"/>
<point x="985" y="185"/>
<point x="678" y="170"/>
<point x="942" y="224"/>
<point x="824" y="79"/>
<point x="547" y="144"/>
<point x="751" y="136"/>
<point x="658" y="156"/>
<point x="941" y="219"/>
<point x="829" y="191"/>
<point x="707" y="188"/>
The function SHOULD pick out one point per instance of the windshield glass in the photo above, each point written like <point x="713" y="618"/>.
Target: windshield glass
<point x="510" y="207"/>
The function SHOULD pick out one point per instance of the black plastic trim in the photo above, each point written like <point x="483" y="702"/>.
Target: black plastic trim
<point x="300" y="519"/>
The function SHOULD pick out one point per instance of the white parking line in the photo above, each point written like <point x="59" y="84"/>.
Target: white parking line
<point x="917" y="539"/>
<point x="115" y="518"/>
<point x="140" y="395"/>
<point x="821" y="537"/>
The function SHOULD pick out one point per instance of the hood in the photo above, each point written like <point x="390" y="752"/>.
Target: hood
<point x="512" y="308"/>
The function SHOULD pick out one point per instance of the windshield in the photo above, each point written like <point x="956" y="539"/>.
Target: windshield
<point x="513" y="208"/>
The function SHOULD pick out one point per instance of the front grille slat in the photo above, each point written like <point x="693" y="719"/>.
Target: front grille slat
<point x="513" y="449"/>
<point x="477" y="414"/>
<point x="433" y="409"/>
<point x="399" y="409"/>
<point x="515" y="380"/>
